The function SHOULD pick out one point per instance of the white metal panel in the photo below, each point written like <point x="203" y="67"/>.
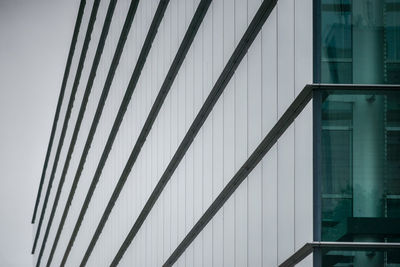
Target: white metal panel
<point x="270" y="214"/>
<point x="189" y="107"/>
<point x="303" y="129"/>
<point x="269" y="163"/>
<point x="217" y="130"/>
<point x="254" y="125"/>
<point x="167" y="139"/>
<point x="207" y="136"/>
<point x="286" y="194"/>
<point x="241" y="101"/>
<point x="198" y="147"/>
<point x="285" y="13"/>
<point x="304" y="180"/>
<point x="228" y="136"/>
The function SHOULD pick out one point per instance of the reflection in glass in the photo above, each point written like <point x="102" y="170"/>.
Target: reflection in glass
<point x="360" y="41"/>
<point x="360" y="172"/>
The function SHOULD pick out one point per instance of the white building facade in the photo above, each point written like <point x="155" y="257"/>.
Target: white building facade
<point x="185" y="134"/>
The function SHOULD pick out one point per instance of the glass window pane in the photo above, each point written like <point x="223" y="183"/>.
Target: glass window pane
<point x="360" y="172"/>
<point x="360" y="41"/>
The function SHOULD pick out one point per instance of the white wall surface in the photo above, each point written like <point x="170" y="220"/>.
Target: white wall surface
<point x="270" y="214"/>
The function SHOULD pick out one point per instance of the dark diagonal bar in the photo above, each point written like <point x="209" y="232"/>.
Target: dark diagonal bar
<point x="228" y="71"/>
<point x="81" y="113"/>
<point x="60" y="99"/>
<point x="125" y="30"/>
<point x="78" y="74"/>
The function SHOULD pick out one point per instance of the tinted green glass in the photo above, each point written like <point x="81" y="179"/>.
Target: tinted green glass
<point x="360" y="41"/>
<point x="360" y="171"/>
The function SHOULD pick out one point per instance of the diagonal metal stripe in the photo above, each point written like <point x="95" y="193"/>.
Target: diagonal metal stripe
<point x="81" y="113"/>
<point x="78" y="74"/>
<point x="110" y="76"/>
<point x="158" y="16"/>
<point x="228" y="71"/>
<point x="60" y="99"/>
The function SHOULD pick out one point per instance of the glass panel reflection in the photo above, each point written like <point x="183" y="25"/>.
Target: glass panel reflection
<point x="360" y="172"/>
<point x="360" y="41"/>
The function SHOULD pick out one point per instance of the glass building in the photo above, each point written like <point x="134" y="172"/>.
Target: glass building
<point x="225" y="133"/>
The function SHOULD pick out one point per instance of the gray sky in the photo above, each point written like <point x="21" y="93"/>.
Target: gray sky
<point x="34" y="43"/>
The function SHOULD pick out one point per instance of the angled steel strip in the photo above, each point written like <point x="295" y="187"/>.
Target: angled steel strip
<point x="81" y="113"/>
<point x="110" y="76"/>
<point x="228" y="71"/>
<point x="158" y="16"/>
<point x="78" y="74"/>
<point x="298" y="256"/>
<point x="270" y="139"/>
<point x="59" y="103"/>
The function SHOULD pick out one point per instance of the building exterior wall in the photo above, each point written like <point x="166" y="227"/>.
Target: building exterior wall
<point x="270" y="214"/>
